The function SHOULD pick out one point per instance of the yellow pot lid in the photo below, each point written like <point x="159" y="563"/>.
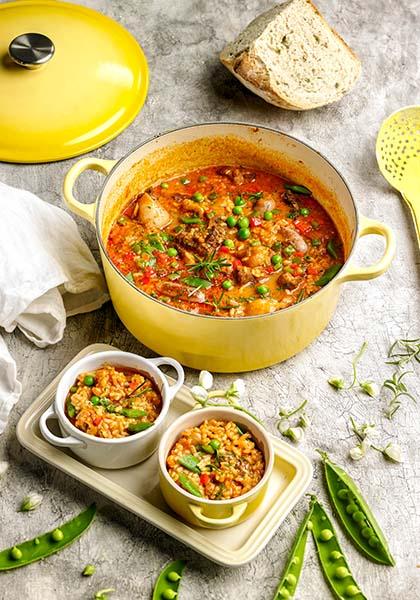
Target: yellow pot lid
<point x="71" y="79"/>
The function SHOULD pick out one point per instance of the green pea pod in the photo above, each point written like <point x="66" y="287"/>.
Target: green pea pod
<point x="328" y="274"/>
<point x="331" y="249"/>
<point x="189" y="486"/>
<point x="355" y="515"/>
<point x="137" y="427"/>
<point x="331" y="558"/>
<point x="133" y="413"/>
<point x="298" y="189"/>
<point x="290" y="578"/>
<point x="167" y="584"/>
<point x="190" y="462"/>
<point x="42" y="546"/>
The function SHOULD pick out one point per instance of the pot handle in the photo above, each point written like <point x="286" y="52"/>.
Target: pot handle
<point x="237" y="512"/>
<point x="368" y="226"/>
<point x="87" y="211"/>
<point x="164" y="360"/>
<point x="67" y="442"/>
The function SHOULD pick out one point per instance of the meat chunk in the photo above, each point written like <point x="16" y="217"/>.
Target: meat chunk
<point x="174" y="289"/>
<point x="151" y="213"/>
<point x="264" y="204"/>
<point x="237" y="175"/>
<point x="293" y="237"/>
<point x="258" y="256"/>
<point x="244" y="275"/>
<point x="202" y="242"/>
<point x="288" y="280"/>
<point x="291" y="200"/>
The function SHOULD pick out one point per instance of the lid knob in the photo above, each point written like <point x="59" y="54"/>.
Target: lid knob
<point x="31" y="50"/>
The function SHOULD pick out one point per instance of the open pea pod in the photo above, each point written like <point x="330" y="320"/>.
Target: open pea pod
<point x="291" y="574"/>
<point x="355" y="515"/>
<point x="167" y="584"/>
<point x="48" y="543"/>
<point x="331" y="558"/>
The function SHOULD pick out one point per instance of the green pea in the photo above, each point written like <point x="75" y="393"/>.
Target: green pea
<point x="243" y="223"/>
<point x="304" y="212"/>
<point x="276" y="260"/>
<point x="343" y="494"/>
<point x="88" y="571"/>
<point x="290" y="579"/>
<point x="244" y="233"/>
<point x="351" y="508"/>
<point x="326" y="535"/>
<point x="229" y="243"/>
<point x="237" y="210"/>
<point x="172" y="252"/>
<point x="73" y="389"/>
<point x="373" y="541"/>
<point x="122" y="220"/>
<point x="173" y="576"/>
<point x="169" y="594"/>
<point x="352" y="590"/>
<point x="367" y="532"/>
<point x="310" y="526"/>
<point x="295" y="560"/>
<point x="289" y="250"/>
<point x="284" y="593"/>
<point x="335" y="555"/>
<point x="358" y="516"/>
<point x="164" y="185"/>
<point x="198" y="197"/>
<point x="15" y="553"/>
<point x="239" y="201"/>
<point x="341" y="572"/>
<point x="262" y="290"/>
<point x="95" y="400"/>
<point x="167" y="584"/>
<point x="36" y="541"/>
<point x="268" y="215"/>
<point x="226" y="285"/>
<point x="89" y="380"/>
<point x="315" y="242"/>
<point x="57" y="535"/>
<point x="231" y="221"/>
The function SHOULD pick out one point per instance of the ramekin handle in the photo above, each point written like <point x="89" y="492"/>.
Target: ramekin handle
<point x="67" y="442"/>
<point x="237" y="512"/>
<point x="87" y="211"/>
<point x="367" y="227"/>
<point x="165" y="360"/>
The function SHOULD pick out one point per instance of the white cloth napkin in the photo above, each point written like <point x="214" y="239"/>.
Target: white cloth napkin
<point x="47" y="273"/>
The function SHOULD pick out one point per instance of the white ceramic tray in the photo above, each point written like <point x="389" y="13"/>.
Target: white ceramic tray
<point x="137" y="488"/>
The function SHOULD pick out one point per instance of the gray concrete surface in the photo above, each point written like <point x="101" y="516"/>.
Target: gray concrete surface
<point x="188" y="85"/>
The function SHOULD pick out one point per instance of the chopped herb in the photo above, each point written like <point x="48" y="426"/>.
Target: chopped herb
<point x="71" y="410"/>
<point x="191" y="220"/>
<point x="329" y="274"/>
<point x="298" y="189"/>
<point x="130" y="277"/>
<point x="212" y="196"/>
<point x="331" y="249"/>
<point x="255" y="196"/>
<point x="209" y="266"/>
<point x="398" y="389"/>
<point x="137" y="427"/>
<point x="315" y="242"/>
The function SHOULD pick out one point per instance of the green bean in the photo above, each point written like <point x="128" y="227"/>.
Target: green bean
<point x="189" y="486"/>
<point x="137" y="427"/>
<point x="290" y="578"/>
<point x="354" y="513"/>
<point x="42" y="546"/>
<point x="167" y="584"/>
<point x="333" y="563"/>
<point x="133" y="413"/>
<point x="190" y="462"/>
<point x="328" y="274"/>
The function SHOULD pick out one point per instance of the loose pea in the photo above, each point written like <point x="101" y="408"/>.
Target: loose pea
<point x="276" y="259"/>
<point x="352" y="590"/>
<point x="304" y="212"/>
<point x="358" y="516"/>
<point x="173" y="576"/>
<point x="335" y="555"/>
<point x="89" y="380"/>
<point x="198" y="196"/>
<point x="341" y="572"/>
<point x="95" y="400"/>
<point x="367" y="532"/>
<point x="244" y="233"/>
<point x="351" y="508"/>
<point x="237" y="210"/>
<point x="164" y="185"/>
<point x="243" y="223"/>
<point x="172" y="252"/>
<point x="326" y="535"/>
<point x="169" y="594"/>
<point x="73" y="389"/>
<point x="226" y="285"/>
<point x="343" y="494"/>
<point x="231" y="221"/>
<point x="202" y="178"/>
<point x="262" y="290"/>
<point x="57" y="535"/>
<point x="229" y="243"/>
<point x="15" y="553"/>
<point x="373" y="541"/>
<point x="290" y="579"/>
<point x="239" y="201"/>
<point x="268" y="215"/>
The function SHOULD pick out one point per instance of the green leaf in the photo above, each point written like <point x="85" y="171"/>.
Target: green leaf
<point x="331" y="249"/>
<point x="298" y="189"/>
<point x="197" y="282"/>
<point x="329" y="274"/>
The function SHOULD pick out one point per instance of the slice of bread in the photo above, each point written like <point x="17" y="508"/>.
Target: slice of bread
<point x="292" y="58"/>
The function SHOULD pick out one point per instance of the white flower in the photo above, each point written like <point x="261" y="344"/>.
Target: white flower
<point x="393" y="452"/>
<point x="3" y="468"/>
<point x="368" y="432"/>
<point x="296" y="434"/>
<point x="359" y="451"/>
<point x="369" y="388"/>
<point x="205" y="380"/>
<point x="239" y="385"/>
<point x="31" y="502"/>
<point x="199" y="393"/>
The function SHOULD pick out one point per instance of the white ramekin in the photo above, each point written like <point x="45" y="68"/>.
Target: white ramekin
<point x="119" y="452"/>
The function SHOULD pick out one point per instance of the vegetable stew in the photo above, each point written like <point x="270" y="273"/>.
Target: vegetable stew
<point x="226" y="241"/>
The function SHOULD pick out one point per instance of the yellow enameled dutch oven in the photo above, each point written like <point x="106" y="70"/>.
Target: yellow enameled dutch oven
<point x="221" y="343"/>
<point x="202" y="512"/>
